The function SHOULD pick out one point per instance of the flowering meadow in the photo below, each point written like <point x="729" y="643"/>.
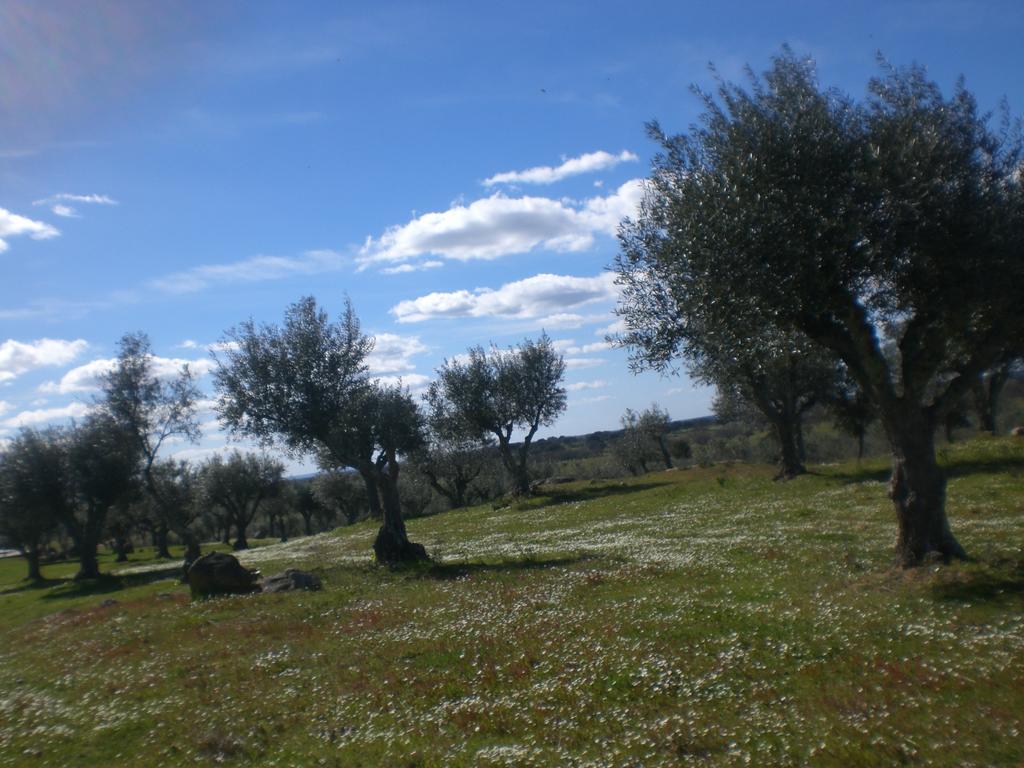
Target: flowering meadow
<point x="704" y="616"/>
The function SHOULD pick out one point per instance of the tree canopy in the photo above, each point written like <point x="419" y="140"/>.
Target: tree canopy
<point x="885" y="230"/>
<point x="305" y="385"/>
<point x="492" y="393"/>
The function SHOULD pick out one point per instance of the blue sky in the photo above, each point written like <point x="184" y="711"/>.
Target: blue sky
<point x="456" y="169"/>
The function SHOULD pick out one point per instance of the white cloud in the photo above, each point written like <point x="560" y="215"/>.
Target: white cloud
<point x="498" y="226"/>
<point x="596" y="399"/>
<point x="17" y="357"/>
<point x="12" y="225"/>
<point x="416" y="382"/>
<point x="255" y="269"/>
<point x="88" y="377"/>
<point x="88" y="199"/>
<point x="66" y="211"/>
<point x="532" y="297"/>
<point x="573" y="363"/>
<point x="579" y="386"/>
<point x="46" y="415"/>
<point x="569" y="347"/>
<point x="4" y="407"/>
<point x="391" y="353"/>
<point x="619" y="326"/>
<point x="573" y="166"/>
<point x="403" y="268"/>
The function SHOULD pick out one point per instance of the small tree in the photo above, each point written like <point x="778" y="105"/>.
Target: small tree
<point x="34" y="487"/>
<point x="988" y="387"/>
<point x="491" y="394"/>
<point x="450" y="460"/>
<point x="102" y="460"/>
<point x="239" y="485"/>
<point x="852" y="411"/>
<point x="656" y="424"/>
<point x="634" y="448"/>
<point x="341" y="495"/>
<point x="152" y="411"/>
<point x="306" y="505"/>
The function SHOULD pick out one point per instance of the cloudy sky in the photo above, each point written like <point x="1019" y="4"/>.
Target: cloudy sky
<point x="458" y="172"/>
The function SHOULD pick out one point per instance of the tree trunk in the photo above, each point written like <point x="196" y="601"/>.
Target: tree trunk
<point x="664" y="451"/>
<point x="986" y="396"/>
<point x="192" y="552"/>
<point x="392" y="544"/>
<point x="307" y="522"/>
<point x="789" y="449"/>
<point x="88" y="564"/>
<point x="918" y="492"/>
<point x="372" y="492"/>
<point x="121" y="545"/>
<point x="860" y="444"/>
<point x="160" y="535"/>
<point x="241" y="542"/>
<point x="32" y="556"/>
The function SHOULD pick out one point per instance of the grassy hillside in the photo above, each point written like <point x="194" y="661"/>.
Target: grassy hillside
<point x="697" y="617"/>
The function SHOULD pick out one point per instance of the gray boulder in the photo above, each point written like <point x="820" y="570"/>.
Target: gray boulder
<point x="290" y="580"/>
<point x="218" y="573"/>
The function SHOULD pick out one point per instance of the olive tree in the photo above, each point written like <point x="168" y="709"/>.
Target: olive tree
<point x="153" y="410"/>
<point x="239" y="484"/>
<point x="492" y="393"/>
<point x="102" y="463"/>
<point x="33" y="492"/>
<point x="886" y="230"/>
<point x="305" y="386"/>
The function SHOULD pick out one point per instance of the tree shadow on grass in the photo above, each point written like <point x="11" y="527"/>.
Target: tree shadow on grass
<point x="456" y="570"/>
<point x="66" y="589"/>
<point x="960" y="466"/>
<point x="963" y="467"/>
<point x="553" y="496"/>
<point x="32" y="586"/>
<point x="1003" y="582"/>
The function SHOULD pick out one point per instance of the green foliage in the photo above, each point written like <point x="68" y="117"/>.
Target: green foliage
<point x="886" y="232"/>
<point x="239" y="484"/>
<point x="490" y="394"/>
<point x="33" y="491"/>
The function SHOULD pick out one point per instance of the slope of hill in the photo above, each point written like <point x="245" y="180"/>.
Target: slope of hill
<point x="705" y="616"/>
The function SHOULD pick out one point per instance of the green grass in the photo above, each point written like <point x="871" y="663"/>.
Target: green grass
<point x="697" y="617"/>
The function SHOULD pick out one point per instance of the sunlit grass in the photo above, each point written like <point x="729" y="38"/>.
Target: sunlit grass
<point x="705" y="616"/>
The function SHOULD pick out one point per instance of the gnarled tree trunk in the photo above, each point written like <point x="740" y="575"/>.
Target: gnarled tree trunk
<point x="392" y="544"/>
<point x="787" y="431"/>
<point x="918" y="492"/>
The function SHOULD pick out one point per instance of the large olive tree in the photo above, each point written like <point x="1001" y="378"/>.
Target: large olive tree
<point x="886" y="230"/>
<point x="305" y="385"/>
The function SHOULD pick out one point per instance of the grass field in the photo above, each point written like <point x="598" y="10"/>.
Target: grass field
<point x="698" y="617"/>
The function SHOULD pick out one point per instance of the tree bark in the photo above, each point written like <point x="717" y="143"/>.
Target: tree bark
<point x="392" y="544"/>
<point x="32" y="556"/>
<point x="918" y="492"/>
<point x="160" y="535"/>
<point x="789" y="448"/>
<point x="986" y="396"/>
<point x="241" y="542"/>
